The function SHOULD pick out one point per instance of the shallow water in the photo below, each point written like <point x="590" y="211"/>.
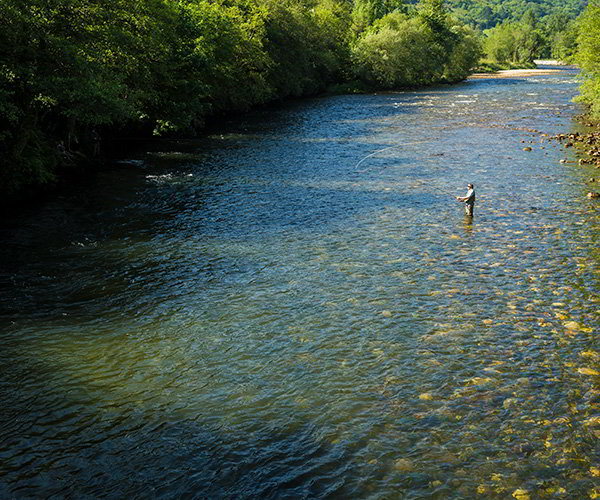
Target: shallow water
<point x="297" y="308"/>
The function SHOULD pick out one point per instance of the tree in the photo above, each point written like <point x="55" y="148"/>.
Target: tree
<point x="366" y="12"/>
<point x="564" y="43"/>
<point x="465" y="55"/>
<point x="401" y="51"/>
<point x="434" y="14"/>
<point x="404" y="55"/>
<point x="588" y="57"/>
<point x="513" y="42"/>
<point x="530" y="18"/>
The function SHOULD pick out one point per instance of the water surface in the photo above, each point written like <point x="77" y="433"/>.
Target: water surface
<point x="297" y="308"/>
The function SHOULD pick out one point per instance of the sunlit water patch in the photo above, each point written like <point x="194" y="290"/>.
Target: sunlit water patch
<point x="297" y="307"/>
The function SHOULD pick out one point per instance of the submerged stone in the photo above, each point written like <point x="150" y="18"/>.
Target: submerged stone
<point x="404" y="465"/>
<point x="588" y="371"/>
<point x="521" y="494"/>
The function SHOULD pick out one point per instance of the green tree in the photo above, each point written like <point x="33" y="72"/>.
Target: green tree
<point x="435" y="16"/>
<point x="398" y="53"/>
<point x="530" y="18"/>
<point x="485" y="14"/>
<point x="401" y="51"/>
<point x="465" y="54"/>
<point x="564" y="42"/>
<point x="305" y="56"/>
<point x="588" y="57"/>
<point x="54" y="73"/>
<point x="556" y="22"/>
<point x="221" y="48"/>
<point x="513" y="42"/>
<point x="366" y="12"/>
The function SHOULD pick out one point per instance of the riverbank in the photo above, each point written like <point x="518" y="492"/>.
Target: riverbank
<point x="514" y="73"/>
<point x="586" y="145"/>
<point x="539" y="69"/>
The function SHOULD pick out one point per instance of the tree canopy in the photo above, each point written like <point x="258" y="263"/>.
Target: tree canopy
<point x="485" y="14"/>
<point x="588" y="57"/>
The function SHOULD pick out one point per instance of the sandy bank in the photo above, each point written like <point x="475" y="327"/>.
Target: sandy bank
<point x="555" y="67"/>
<point x="516" y="73"/>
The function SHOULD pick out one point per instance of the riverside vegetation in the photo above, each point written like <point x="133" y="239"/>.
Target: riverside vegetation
<point x="75" y="73"/>
<point x="587" y="56"/>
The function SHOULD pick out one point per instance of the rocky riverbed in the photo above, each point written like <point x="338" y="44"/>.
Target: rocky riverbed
<point x="587" y="147"/>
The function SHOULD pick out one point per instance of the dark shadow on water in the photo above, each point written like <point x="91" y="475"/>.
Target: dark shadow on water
<point x="121" y="240"/>
<point x="129" y="451"/>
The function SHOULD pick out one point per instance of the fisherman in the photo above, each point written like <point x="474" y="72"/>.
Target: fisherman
<point x="468" y="200"/>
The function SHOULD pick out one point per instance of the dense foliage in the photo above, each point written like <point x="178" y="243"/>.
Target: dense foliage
<point x="533" y="36"/>
<point x="398" y="50"/>
<point x="588" y="57"/>
<point x="73" y="71"/>
<point x="485" y="14"/>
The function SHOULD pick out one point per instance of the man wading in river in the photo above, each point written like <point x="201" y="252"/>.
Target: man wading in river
<point x="468" y="199"/>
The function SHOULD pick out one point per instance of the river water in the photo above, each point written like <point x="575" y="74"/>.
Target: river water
<point x="297" y="307"/>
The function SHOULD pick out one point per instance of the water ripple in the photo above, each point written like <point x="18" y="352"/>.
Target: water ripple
<point x="259" y="317"/>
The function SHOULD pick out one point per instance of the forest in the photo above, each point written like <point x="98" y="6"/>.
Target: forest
<point x="74" y="73"/>
<point x="488" y="13"/>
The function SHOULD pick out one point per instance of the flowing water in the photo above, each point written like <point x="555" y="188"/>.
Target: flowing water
<point x="298" y="308"/>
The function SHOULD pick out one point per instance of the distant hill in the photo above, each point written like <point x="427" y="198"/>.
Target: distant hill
<point x="485" y="14"/>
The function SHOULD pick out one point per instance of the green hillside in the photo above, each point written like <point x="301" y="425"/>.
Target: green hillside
<point x="486" y="14"/>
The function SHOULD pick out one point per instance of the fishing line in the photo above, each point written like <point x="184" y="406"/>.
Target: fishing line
<point x="443" y="127"/>
<point x="392" y="147"/>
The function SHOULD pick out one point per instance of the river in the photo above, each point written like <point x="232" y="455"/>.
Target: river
<point x="297" y="307"/>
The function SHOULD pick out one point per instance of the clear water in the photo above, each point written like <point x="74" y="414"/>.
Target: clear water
<point x="298" y="308"/>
